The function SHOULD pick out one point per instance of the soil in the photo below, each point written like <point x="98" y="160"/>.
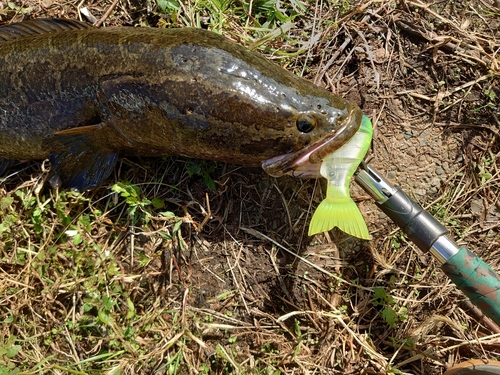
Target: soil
<point x="427" y="75"/>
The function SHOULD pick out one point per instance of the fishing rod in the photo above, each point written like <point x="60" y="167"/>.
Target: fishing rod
<point x="476" y="279"/>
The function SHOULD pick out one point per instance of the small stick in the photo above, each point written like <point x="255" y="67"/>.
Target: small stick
<point x="370" y="57"/>
<point x="106" y="15"/>
<point x="479" y="314"/>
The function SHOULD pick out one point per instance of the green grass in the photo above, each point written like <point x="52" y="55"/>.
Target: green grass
<point x="175" y="266"/>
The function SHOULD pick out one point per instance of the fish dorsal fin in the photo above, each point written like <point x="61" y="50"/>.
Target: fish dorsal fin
<point x="38" y="26"/>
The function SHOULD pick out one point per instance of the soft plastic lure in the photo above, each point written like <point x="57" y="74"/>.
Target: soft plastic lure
<point x="338" y="209"/>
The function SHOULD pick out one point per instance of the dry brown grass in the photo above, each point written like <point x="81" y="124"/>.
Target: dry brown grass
<point x="181" y="279"/>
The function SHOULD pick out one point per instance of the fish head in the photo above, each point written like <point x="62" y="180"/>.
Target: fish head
<point x="230" y="104"/>
<point x="316" y="132"/>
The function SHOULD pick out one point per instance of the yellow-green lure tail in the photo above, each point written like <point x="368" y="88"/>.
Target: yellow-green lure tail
<point x="338" y="209"/>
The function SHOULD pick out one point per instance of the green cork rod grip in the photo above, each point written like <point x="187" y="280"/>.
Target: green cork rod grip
<point x="477" y="280"/>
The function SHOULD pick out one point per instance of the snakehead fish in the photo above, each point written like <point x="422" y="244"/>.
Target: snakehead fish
<point x="81" y="96"/>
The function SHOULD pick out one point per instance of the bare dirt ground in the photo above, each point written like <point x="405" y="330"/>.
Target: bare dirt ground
<point x="228" y="284"/>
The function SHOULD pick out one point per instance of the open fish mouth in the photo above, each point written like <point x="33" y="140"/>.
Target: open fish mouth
<point x="306" y="163"/>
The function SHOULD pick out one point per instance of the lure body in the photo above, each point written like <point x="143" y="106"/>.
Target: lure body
<point x="338" y="209"/>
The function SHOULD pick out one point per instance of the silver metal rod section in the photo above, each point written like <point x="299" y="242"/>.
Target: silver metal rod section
<point x="374" y="184"/>
<point x="443" y="249"/>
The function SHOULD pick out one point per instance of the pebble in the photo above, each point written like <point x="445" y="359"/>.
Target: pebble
<point x="411" y="152"/>
<point x="381" y="215"/>
<point x="439" y="171"/>
<point x="476" y="207"/>
<point x="436" y="182"/>
<point x="420" y="192"/>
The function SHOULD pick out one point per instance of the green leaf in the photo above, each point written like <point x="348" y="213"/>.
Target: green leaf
<point x="13" y="350"/>
<point x="107" y="303"/>
<point x="162" y="5"/>
<point x="389" y="316"/>
<point x="77" y="239"/>
<point x="209" y="182"/>
<point x="492" y="95"/>
<point x="104" y="317"/>
<point x="379" y="294"/>
<point x="158" y="203"/>
<point x="177" y="226"/>
<point x="131" y="309"/>
<point x="5" y="202"/>
<point x="4" y="228"/>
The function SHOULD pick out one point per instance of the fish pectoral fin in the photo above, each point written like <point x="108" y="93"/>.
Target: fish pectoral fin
<point x="5" y="164"/>
<point x="80" y="158"/>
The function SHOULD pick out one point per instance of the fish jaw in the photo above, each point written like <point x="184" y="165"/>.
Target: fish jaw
<point x="306" y="163"/>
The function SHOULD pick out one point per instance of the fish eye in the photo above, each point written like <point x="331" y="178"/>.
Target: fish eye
<point x="305" y="124"/>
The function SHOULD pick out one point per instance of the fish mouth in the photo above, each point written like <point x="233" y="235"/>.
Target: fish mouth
<point x="306" y="162"/>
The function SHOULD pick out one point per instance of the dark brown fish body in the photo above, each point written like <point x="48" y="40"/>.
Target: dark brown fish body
<point x="83" y="96"/>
